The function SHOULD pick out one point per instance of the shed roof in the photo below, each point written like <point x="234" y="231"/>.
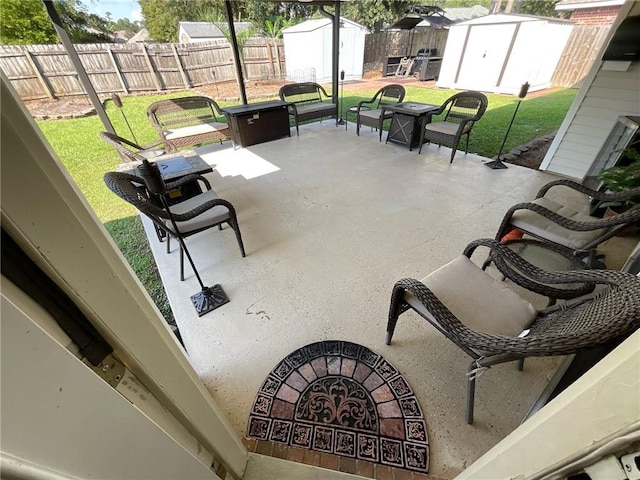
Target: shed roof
<point x="140" y="37"/>
<point x="512" y="18"/>
<point x="209" y="29"/>
<point x="311" y="25"/>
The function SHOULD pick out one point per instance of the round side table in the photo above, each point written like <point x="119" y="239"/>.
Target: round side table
<point x="548" y="257"/>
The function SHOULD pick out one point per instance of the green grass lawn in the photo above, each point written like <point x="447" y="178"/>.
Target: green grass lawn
<point x="87" y="157"/>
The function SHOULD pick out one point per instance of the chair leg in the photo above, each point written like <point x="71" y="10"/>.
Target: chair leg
<point x="453" y="153"/>
<point x="181" y="264"/>
<point x="220" y="227"/>
<point x="520" y="364"/>
<point x="168" y="243"/>
<point x="471" y="392"/>
<point x="234" y="225"/>
<point x="358" y="126"/>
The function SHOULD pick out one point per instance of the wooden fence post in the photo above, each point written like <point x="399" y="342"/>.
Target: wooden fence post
<point x="180" y="68"/>
<point x="117" y="70"/>
<point x="36" y="70"/>
<point x="152" y="70"/>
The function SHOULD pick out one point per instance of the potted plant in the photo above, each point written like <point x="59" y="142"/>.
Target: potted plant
<point x="621" y="178"/>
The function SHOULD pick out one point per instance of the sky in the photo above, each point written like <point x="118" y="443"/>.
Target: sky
<point x="118" y="8"/>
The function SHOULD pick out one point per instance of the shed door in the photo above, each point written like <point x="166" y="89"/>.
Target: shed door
<point x="484" y="56"/>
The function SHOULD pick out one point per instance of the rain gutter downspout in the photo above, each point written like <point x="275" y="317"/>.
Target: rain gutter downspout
<point x="335" y="19"/>
<point x="236" y="51"/>
<point x="77" y="64"/>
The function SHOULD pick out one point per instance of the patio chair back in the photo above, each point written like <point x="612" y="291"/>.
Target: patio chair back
<point x="389" y="95"/>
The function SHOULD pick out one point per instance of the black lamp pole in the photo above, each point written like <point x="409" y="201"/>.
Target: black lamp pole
<point x="115" y="98"/>
<point x="341" y="121"/>
<point x="497" y="163"/>
<point x="208" y="298"/>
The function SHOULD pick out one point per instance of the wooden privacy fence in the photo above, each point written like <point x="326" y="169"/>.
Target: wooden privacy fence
<point x="378" y="46"/>
<point x="45" y="71"/>
<point x="581" y="51"/>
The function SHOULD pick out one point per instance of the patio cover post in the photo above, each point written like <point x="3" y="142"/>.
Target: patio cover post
<point x="335" y="19"/>
<point x="236" y="52"/>
<point x="77" y="64"/>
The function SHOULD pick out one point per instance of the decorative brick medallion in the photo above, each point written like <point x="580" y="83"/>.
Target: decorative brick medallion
<point x="341" y="398"/>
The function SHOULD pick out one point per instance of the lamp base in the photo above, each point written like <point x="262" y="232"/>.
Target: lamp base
<point x="495" y="164"/>
<point x="209" y="299"/>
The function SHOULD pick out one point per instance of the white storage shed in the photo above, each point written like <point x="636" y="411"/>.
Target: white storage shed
<point x="308" y="50"/>
<point x="498" y="53"/>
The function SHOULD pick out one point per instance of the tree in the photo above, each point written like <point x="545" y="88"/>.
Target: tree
<point x="544" y="8"/>
<point x="375" y="14"/>
<point x="25" y="22"/>
<point x="162" y="16"/>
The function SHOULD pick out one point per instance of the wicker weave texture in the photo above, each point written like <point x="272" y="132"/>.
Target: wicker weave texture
<point x="182" y="112"/>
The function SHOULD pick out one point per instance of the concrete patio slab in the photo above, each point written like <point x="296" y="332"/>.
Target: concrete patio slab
<point x="330" y="222"/>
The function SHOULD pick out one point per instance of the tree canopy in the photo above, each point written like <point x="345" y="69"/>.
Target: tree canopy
<point x="27" y="22"/>
<point x="375" y="14"/>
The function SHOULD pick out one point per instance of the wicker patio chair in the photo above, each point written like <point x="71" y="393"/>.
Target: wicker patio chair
<point x="192" y="216"/>
<point x="569" y="225"/>
<point x="462" y="111"/>
<point x="370" y="113"/>
<point x="133" y="152"/>
<point x="493" y="324"/>
<point x="188" y="121"/>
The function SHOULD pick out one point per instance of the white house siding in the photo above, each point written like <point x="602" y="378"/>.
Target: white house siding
<point x="610" y="95"/>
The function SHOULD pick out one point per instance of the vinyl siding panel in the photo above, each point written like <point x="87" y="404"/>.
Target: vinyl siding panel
<point x="610" y="95"/>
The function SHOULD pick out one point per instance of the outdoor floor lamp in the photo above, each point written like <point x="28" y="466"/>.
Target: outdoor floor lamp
<point x="497" y="163"/>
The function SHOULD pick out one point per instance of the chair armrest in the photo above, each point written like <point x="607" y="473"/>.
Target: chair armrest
<point x="598" y="195"/>
<point x="627" y="217"/>
<point x="321" y="89"/>
<point x="440" y="312"/>
<point x="364" y="103"/>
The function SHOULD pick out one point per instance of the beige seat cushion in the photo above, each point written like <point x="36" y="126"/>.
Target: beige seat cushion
<point x="479" y="301"/>
<point x="447" y="128"/>
<point x="183" y="132"/>
<point x="316" y="108"/>
<point x="540" y="226"/>
<point x="374" y="114"/>
<point x="212" y="216"/>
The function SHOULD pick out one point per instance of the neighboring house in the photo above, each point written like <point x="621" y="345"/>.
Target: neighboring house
<point x="591" y="12"/>
<point x="609" y="90"/>
<point x="141" y="37"/>
<point x="193" y="32"/>
<point x="120" y="37"/>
